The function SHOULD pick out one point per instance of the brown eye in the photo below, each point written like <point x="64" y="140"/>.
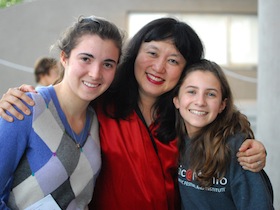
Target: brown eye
<point x="173" y="61"/>
<point x="85" y="59"/>
<point x="108" y="65"/>
<point x="152" y="53"/>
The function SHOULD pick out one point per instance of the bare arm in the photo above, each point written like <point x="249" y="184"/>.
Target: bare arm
<point x="12" y="97"/>
<point x="252" y="155"/>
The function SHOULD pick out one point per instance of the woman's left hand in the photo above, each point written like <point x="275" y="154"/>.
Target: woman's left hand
<point x="252" y="155"/>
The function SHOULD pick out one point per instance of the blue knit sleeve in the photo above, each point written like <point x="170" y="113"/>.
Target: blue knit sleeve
<point x="13" y="142"/>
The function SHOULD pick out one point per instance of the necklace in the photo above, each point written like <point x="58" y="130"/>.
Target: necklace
<point x="78" y="142"/>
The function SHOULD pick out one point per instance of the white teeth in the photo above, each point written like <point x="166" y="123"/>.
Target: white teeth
<point x="89" y="84"/>
<point x="197" y="112"/>
<point x="155" y="78"/>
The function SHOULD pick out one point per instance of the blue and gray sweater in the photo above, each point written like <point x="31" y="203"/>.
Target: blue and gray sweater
<point x="39" y="157"/>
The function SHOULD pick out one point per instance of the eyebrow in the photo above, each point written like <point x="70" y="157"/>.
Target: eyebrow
<point x="156" y="48"/>
<point x="191" y="86"/>
<point x="107" y="60"/>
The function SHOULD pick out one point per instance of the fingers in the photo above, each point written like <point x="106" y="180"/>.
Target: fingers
<point x="27" y="88"/>
<point x="12" y="97"/>
<point x="254" y="167"/>
<point x="246" y="145"/>
<point x="5" y="116"/>
<point x="252" y="155"/>
<point x="14" y="94"/>
<point x="253" y="163"/>
<point x="251" y="159"/>
<point x="252" y="147"/>
<point x="6" y="105"/>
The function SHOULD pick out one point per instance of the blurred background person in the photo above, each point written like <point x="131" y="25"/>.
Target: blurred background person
<point x="46" y="71"/>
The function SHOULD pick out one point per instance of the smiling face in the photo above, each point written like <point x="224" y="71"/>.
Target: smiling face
<point x="91" y="67"/>
<point x="199" y="100"/>
<point x="157" y="68"/>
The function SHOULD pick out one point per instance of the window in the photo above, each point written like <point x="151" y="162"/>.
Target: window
<point x="230" y="40"/>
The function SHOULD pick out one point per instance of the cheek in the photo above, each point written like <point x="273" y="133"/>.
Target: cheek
<point x="184" y="112"/>
<point x="142" y="62"/>
<point x="174" y="76"/>
<point x="137" y="72"/>
<point x="182" y="102"/>
<point x="109" y="77"/>
<point x="216" y="109"/>
<point x="138" y="66"/>
<point x="137" y="63"/>
<point x="72" y="68"/>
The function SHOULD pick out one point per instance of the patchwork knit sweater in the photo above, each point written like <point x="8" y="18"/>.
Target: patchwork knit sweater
<point x="39" y="156"/>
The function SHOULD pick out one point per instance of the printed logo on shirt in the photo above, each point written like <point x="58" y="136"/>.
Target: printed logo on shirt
<point x="188" y="178"/>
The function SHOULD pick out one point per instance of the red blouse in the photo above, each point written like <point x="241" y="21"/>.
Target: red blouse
<point x="133" y="176"/>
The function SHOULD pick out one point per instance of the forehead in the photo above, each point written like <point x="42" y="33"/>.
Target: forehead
<point x="94" y="43"/>
<point x="159" y="44"/>
<point x="95" y="38"/>
<point x="202" y="78"/>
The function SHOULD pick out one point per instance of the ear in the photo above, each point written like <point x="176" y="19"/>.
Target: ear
<point x="176" y="102"/>
<point x="223" y="105"/>
<point x="63" y="59"/>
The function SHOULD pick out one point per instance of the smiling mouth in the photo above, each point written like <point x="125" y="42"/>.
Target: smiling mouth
<point x="154" y="79"/>
<point x="90" y="84"/>
<point x="200" y="113"/>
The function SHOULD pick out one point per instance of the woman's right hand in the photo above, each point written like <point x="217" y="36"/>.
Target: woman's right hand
<point x="12" y="98"/>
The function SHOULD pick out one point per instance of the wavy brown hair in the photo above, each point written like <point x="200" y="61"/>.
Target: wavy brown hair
<point x="208" y="154"/>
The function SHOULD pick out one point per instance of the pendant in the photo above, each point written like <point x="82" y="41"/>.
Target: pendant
<point x="78" y="146"/>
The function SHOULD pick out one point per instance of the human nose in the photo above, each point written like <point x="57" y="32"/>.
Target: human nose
<point x="200" y="100"/>
<point x="95" y="71"/>
<point x="159" y="66"/>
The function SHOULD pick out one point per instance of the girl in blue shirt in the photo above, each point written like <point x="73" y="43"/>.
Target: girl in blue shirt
<point x="211" y="130"/>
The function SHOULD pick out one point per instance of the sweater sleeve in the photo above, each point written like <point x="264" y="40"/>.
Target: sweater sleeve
<point x="13" y="142"/>
<point x="248" y="189"/>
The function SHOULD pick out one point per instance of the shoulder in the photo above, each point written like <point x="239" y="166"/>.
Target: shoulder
<point x="41" y="99"/>
<point x="45" y="93"/>
<point x="234" y="141"/>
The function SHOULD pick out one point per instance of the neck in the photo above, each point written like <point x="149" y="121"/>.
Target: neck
<point x="74" y="108"/>
<point x="146" y="108"/>
<point x="192" y="133"/>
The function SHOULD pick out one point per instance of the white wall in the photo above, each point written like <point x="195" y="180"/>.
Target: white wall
<point x="268" y="120"/>
<point x="27" y="30"/>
